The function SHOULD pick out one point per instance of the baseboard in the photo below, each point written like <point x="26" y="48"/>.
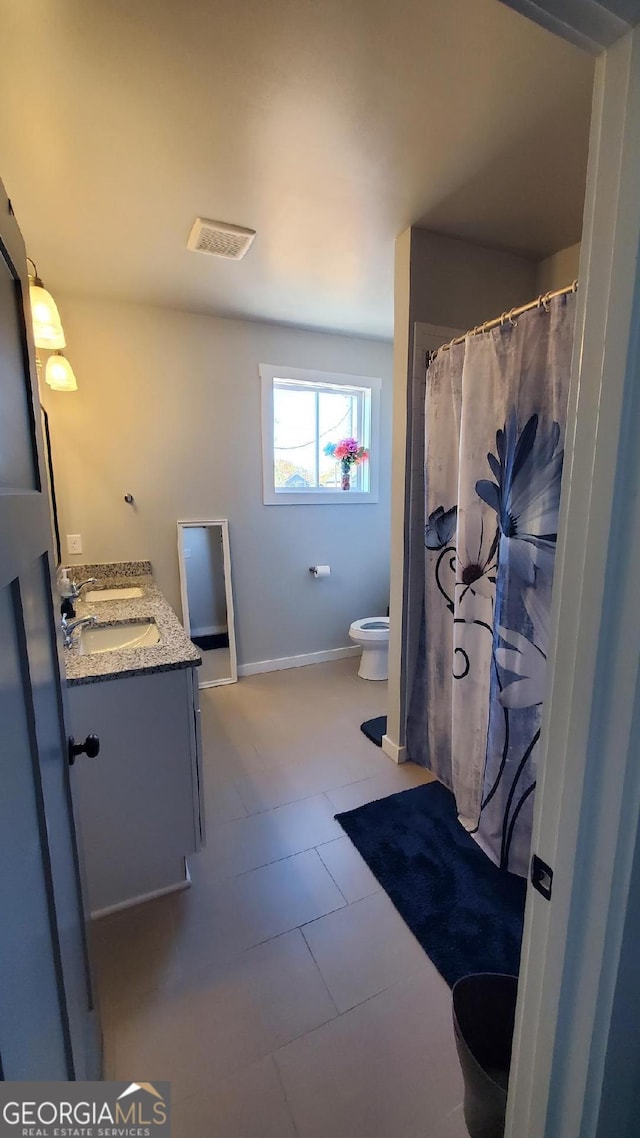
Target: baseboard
<point x="393" y="750"/>
<point x="284" y="662"/>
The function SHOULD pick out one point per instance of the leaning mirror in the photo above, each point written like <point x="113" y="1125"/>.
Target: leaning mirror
<point x="207" y="600"/>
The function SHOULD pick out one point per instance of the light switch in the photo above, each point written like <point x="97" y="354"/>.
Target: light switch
<point x="74" y="544"/>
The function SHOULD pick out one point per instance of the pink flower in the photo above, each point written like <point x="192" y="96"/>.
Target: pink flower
<point x="350" y="452"/>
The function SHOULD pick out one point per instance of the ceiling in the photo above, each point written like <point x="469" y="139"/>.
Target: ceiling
<point x="326" y="125"/>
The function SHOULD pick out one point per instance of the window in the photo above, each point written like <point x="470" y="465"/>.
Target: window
<point x="304" y="413"/>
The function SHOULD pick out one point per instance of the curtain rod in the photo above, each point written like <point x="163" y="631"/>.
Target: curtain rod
<point x="509" y="317"/>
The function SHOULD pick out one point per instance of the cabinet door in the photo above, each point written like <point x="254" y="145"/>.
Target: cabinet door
<point x="136" y="799"/>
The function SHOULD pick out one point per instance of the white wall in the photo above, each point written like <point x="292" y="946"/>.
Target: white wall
<point x="558" y="270"/>
<point x="458" y="284"/>
<point x="168" y="409"/>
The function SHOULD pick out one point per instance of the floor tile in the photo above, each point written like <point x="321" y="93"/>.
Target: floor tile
<point x="244" y="1009"/>
<point x="229" y="758"/>
<point x="329" y="736"/>
<point x="349" y="871"/>
<point x="222" y="803"/>
<point x="108" y="1053"/>
<point x="221" y="917"/>
<point x="398" y="777"/>
<point x="249" y="1104"/>
<point x="453" y="1126"/>
<point x="363" y="949"/>
<point x="132" y="951"/>
<point x="207" y="986"/>
<point x="278" y="785"/>
<point x="236" y="847"/>
<point x="386" y="1069"/>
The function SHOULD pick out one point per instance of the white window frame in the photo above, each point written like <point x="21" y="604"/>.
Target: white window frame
<point x="320" y="496"/>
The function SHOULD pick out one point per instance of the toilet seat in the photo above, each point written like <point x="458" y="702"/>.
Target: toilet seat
<point x="370" y="628"/>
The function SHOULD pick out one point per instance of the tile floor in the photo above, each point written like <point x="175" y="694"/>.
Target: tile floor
<point x="282" y="995"/>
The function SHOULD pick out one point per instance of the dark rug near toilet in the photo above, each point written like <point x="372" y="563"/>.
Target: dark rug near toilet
<point x="374" y="729"/>
<point x="212" y="640"/>
<point x="466" y="913"/>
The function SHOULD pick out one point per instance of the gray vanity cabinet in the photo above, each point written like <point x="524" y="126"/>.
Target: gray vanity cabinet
<point x="139" y="801"/>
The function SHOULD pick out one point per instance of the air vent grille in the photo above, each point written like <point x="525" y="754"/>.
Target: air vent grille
<point x="219" y="239"/>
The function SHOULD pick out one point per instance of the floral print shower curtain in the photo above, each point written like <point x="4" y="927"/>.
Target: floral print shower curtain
<point x="495" y="418"/>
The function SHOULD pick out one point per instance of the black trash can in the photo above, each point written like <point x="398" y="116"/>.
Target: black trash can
<point x="484" y="1007"/>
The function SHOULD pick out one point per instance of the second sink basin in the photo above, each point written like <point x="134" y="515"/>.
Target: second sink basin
<point x="124" y="594"/>
<point x="118" y="637"/>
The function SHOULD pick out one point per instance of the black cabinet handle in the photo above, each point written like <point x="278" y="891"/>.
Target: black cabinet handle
<point x="90" y="747"/>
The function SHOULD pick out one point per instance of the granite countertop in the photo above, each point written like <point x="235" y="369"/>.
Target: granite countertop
<point x="175" y="649"/>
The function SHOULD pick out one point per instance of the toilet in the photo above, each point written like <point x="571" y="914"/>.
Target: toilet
<point x="372" y="634"/>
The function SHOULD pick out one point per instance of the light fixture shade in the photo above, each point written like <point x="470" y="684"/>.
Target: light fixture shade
<point x="59" y="373"/>
<point x="47" y="326"/>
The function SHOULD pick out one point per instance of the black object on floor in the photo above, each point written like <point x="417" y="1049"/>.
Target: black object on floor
<point x="466" y="913"/>
<point x="374" y="729"/>
<point x="213" y="640"/>
<point x="484" y="1010"/>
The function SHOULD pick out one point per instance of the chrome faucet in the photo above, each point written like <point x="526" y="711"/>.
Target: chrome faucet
<point x="77" y="589"/>
<point x="68" y="627"/>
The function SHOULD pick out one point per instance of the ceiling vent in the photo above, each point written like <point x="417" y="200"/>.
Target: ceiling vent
<point x="220" y="239"/>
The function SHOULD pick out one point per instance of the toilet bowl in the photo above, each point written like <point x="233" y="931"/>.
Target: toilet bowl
<point x="372" y="634"/>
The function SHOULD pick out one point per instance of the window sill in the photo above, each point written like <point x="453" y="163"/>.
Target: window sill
<point x="325" y="498"/>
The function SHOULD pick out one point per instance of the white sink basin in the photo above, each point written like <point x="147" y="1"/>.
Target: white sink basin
<point x="118" y="637"/>
<point x="96" y="595"/>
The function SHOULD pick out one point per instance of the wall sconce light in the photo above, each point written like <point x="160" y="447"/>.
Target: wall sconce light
<point x="47" y="326"/>
<point x="59" y="373"/>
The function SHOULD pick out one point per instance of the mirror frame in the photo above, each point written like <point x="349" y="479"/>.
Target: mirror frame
<point x="199" y="523"/>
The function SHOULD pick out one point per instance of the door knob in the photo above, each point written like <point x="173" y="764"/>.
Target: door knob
<point x="90" y="747"/>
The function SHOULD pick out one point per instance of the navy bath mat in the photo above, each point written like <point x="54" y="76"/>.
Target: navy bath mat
<point x="466" y="913"/>
<point x="374" y="729"/>
<point x="212" y="640"/>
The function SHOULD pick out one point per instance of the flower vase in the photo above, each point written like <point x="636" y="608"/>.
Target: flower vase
<point x="346" y="475"/>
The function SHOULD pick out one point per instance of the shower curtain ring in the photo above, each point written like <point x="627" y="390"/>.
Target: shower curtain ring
<point x="512" y="322"/>
<point x="545" y="301"/>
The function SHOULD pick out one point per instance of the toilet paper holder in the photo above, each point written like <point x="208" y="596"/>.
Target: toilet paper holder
<point x="320" y="570"/>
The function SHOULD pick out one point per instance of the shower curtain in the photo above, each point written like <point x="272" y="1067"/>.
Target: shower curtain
<point x="495" y="416"/>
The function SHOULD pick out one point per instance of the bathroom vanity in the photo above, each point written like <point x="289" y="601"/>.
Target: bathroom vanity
<point x="132" y="681"/>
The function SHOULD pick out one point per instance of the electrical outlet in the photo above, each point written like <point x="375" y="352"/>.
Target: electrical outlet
<point x="74" y="544"/>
